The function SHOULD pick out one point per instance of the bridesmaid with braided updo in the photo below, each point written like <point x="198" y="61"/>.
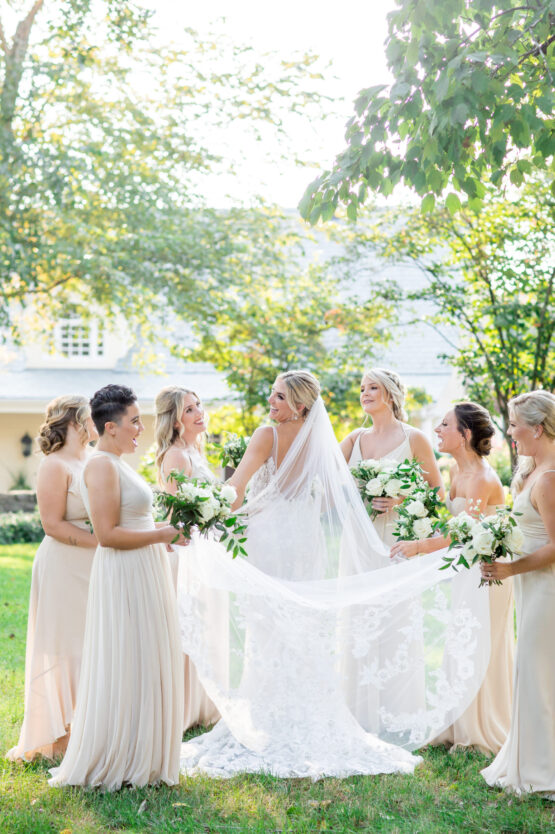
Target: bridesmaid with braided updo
<point x="60" y="582"/>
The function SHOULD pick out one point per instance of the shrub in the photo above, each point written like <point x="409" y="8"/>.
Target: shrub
<point x="20" y="527"/>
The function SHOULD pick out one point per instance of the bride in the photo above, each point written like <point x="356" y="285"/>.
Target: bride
<point x="311" y="596"/>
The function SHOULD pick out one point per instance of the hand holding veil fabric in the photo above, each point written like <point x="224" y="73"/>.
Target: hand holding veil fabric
<point x="338" y="661"/>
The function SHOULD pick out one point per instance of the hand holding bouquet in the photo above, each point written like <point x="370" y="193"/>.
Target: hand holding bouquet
<point x="482" y="539"/>
<point x="386" y="479"/>
<point x="205" y="506"/>
<point x="232" y="451"/>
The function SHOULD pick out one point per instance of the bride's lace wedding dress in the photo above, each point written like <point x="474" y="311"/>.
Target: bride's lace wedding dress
<point x="312" y="596"/>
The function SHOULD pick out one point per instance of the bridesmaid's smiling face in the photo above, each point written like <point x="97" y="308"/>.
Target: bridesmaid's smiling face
<point x="192" y="418"/>
<point x="127" y="429"/>
<point x="524" y="436"/>
<point x="372" y="396"/>
<point x="449" y="438"/>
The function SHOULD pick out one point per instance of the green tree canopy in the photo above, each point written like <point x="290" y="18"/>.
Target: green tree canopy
<point x="472" y="101"/>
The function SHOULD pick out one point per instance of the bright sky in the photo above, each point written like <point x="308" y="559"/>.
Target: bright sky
<point x="349" y="34"/>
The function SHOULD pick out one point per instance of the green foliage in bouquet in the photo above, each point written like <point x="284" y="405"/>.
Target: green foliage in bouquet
<point x="482" y="539"/>
<point x="205" y="506"/>
<point x="232" y="451"/>
<point x="386" y="478"/>
<point x="419" y="514"/>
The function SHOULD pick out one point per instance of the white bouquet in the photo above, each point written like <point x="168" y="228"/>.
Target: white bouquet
<point x="482" y="539"/>
<point x="386" y="478"/>
<point x="205" y="506"/>
<point x="232" y="451"/>
<point x="418" y="514"/>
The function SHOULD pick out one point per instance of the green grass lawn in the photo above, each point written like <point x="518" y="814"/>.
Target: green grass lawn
<point x="445" y="794"/>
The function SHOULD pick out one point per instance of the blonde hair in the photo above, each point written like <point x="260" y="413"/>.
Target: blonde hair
<point x="169" y="405"/>
<point x="392" y="387"/>
<point x="535" y="408"/>
<point x="302" y="389"/>
<point x="60" y="413"/>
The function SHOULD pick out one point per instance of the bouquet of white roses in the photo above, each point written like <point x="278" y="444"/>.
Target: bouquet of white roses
<point x="232" y="451"/>
<point x="482" y="539"/>
<point x="386" y="478"/>
<point x="205" y="506"/>
<point x="418" y="514"/>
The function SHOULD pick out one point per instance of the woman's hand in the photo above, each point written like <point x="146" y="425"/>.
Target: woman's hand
<point x="405" y="550"/>
<point x="497" y="570"/>
<point x="167" y="536"/>
<point x="383" y="505"/>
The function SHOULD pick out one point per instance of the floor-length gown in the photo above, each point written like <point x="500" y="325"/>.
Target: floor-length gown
<point x="198" y="707"/>
<point x="526" y="762"/>
<point x="486" y="722"/>
<point x="55" y="632"/>
<point x="128" y="718"/>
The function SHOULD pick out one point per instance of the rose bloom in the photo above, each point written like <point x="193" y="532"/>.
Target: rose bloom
<point x="514" y="539"/>
<point x="229" y="493"/>
<point x="422" y="528"/>
<point x="393" y="487"/>
<point x="483" y="539"/>
<point x="374" y="487"/>
<point x="416" y="508"/>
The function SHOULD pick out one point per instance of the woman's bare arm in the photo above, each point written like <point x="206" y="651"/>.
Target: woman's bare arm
<point x="258" y="451"/>
<point x="52" y="487"/>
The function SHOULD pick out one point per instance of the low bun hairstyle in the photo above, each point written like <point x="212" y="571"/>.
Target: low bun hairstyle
<point x="535" y="408"/>
<point x="476" y="418"/>
<point x="168" y="406"/>
<point x="392" y="387"/>
<point x="60" y="414"/>
<point x="303" y="389"/>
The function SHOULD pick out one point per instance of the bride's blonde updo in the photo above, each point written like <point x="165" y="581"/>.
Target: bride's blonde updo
<point x="392" y="388"/>
<point x="169" y="404"/>
<point x="302" y="389"/>
<point x="535" y="408"/>
<point x="60" y="414"/>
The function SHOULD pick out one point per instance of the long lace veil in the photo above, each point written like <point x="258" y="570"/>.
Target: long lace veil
<point x="326" y="641"/>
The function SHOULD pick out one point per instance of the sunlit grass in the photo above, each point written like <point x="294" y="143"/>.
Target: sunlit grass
<point x="445" y="794"/>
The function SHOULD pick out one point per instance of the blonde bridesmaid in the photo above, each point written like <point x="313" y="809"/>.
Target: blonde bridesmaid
<point x="179" y="431"/>
<point x="526" y="762"/>
<point x="465" y="433"/>
<point x="59" y="583"/>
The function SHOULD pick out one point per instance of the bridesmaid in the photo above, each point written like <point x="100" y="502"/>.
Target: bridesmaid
<point x="465" y="433"/>
<point x="526" y="762"/>
<point x="59" y="584"/>
<point x="382" y="396"/>
<point x="179" y="430"/>
<point x="128" y="716"/>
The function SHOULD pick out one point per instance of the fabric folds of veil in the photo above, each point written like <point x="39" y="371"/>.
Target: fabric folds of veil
<point x="338" y="662"/>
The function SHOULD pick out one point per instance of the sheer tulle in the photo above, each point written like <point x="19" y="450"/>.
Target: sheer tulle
<point x="326" y="636"/>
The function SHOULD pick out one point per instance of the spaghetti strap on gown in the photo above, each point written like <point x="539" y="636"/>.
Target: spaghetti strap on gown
<point x="129" y="712"/>
<point x="55" y="633"/>
<point x="526" y="762"/>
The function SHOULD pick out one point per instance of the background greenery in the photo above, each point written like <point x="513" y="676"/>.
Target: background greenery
<point x="445" y="794"/>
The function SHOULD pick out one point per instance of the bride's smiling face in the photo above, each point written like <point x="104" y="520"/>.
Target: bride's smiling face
<point x="192" y="417"/>
<point x="279" y="409"/>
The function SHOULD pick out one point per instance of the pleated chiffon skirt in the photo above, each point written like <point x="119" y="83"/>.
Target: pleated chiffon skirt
<point x="129" y="715"/>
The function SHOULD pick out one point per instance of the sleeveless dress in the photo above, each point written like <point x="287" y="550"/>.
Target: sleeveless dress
<point x="198" y="707"/>
<point x="526" y="762"/>
<point x="128" y="718"/>
<point x="55" y="632"/>
<point x="485" y="723"/>
<point x="385" y="522"/>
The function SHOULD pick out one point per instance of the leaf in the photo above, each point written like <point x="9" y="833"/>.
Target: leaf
<point x="352" y="210"/>
<point x="428" y="204"/>
<point x="452" y="203"/>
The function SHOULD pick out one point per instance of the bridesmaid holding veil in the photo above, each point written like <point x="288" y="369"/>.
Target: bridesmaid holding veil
<point x="179" y="429"/>
<point x="465" y="433"/>
<point x="129" y="712"/>
<point x="60" y="582"/>
<point x="526" y="762"/>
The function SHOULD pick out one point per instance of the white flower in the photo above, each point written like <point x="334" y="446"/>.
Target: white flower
<point x="374" y="487"/>
<point x="408" y="489"/>
<point x="482" y="539"/>
<point x="208" y="509"/>
<point x="393" y="487"/>
<point x="514" y="539"/>
<point x="422" y="528"/>
<point x="228" y="493"/>
<point x="416" y="508"/>
<point x="468" y="551"/>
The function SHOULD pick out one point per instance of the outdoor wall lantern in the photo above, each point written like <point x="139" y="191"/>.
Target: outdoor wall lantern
<point x="26" y="445"/>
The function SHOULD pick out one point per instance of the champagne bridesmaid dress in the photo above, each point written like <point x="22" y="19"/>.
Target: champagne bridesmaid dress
<point x="55" y="632"/>
<point x="198" y="707"/>
<point x="128" y="718"/>
<point x="485" y="723"/>
<point x="526" y="762"/>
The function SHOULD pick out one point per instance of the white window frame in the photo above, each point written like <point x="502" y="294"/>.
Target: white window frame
<point x="75" y="338"/>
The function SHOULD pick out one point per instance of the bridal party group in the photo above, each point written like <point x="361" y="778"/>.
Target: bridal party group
<point x="307" y="656"/>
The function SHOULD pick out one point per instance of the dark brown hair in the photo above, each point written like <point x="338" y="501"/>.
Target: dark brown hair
<point x="476" y="418"/>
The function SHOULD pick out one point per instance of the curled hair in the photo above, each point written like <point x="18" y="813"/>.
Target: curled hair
<point x="109" y="404"/>
<point x="392" y="387"/>
<point x="535" y="408"/>
<point x="477" y="419"/>
<point x="302" y="389"/>
<point x="60" y="414"/>
<point x="169" y="405"/>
